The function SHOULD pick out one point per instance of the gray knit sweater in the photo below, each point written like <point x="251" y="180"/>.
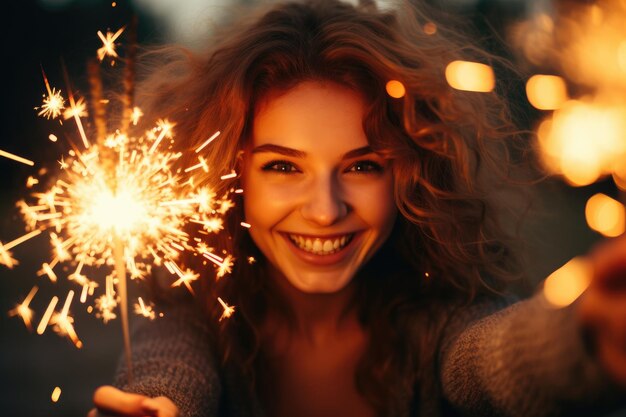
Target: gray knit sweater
<point x="525" y="359"/>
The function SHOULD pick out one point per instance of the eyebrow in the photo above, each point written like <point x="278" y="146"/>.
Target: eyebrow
<point x="283" y="150"/>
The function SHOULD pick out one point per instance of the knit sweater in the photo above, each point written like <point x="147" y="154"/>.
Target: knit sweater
<point x="524" y="359"/>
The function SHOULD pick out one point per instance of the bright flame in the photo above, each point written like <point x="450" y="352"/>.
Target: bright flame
<point x="121" y="212"/>
<point x="568" y="282"/>
<point x="470" y="76"/>
<point x="605" y="215"/>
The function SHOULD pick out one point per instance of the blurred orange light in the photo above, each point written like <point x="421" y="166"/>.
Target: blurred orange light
<point x="430" y="28"/>
<point x="583" y="140"/>
<point x="567" y="283"/>
<point x="56" y="393"/>
<point x="605" y="215"/>
<point x="546" y="92"/>
<point x="395" y="89"/>
<point x="470" y="76"/>
<point x="619" y="176"/>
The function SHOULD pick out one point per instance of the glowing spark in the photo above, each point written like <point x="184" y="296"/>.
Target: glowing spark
<point x="56" y="393"/>
<point x="202" y="164"/>
<point x="246" y="225"/>
<point x="16" y="158"/>
<point x="144" y="310"/>
<point x="108" y="44"/>
<point x="228" y="310"/>
<point x="185" y="277"/>
<point x="53" y="105"/>
<point x="77" y="109"/>
<point x="105" y="305"/>
<point x="46" y="269"/>
<point x="23" y="310"/>
<point x="6" y="256"/>
<point x="165" y="129"/>
<point x="209" y="140"/>
<point x="30" y="181"/>
<point x="233" y="174"/>
<point x="63" y="323"/>
<point x="46" y="316"/>
<point x="225" y="267"/>
<point x="239" y="191"/>
<point x="52" y="137"/>
<point x="251" y="260"/>
<point x="136" y="115"/>
<point x="225" y="205"/>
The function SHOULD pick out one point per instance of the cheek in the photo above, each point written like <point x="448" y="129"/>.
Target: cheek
<point x="265" y="203"/>
<point x="376" y="205"/>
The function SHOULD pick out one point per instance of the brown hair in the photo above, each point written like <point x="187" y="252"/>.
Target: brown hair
<point x="447" y="247"/>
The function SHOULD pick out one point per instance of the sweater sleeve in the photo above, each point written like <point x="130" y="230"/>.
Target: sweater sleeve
<point x="172" y="357"/>
<point x="527" y="359"/>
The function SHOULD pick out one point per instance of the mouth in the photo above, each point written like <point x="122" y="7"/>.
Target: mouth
<point x="321" y="246"/>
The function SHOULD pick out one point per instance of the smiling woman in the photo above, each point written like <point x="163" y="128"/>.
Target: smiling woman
<point x="380" y="273"/>
<point x="311" y="178"/>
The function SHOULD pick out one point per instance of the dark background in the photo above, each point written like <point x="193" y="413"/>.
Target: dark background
<point x="36" y="35"/>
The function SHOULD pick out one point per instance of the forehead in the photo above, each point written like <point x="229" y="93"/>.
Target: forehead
<point x="312" y="116"/>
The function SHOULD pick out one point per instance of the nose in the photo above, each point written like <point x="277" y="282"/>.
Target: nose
<point x="324" y="204"/>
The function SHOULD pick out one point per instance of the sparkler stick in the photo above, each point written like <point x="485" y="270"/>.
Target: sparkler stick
<point x="99" y="112"/>
<point x="120" y="272"/>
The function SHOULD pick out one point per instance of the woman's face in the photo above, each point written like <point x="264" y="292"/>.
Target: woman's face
<point x="319" y="201"/>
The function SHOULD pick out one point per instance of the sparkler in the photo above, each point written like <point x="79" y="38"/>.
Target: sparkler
<point x="123" y="202"/>
<point x="583" y="138"/>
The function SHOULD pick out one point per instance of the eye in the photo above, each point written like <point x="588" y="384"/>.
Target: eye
<point x="366" y="167"/>
<point x="281" y="167"/>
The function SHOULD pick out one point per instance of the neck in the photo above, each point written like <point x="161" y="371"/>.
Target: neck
<point x="316" y="315"/>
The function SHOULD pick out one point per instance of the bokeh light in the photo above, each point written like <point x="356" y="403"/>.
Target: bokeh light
<point x="605" y="215"/>
<point x="470" y="76"/>
<point x="568" y="282"/>
<point x="546" y="92"/>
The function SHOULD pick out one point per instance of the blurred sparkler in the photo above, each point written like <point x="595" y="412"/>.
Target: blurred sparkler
<point x="583" y="135"/>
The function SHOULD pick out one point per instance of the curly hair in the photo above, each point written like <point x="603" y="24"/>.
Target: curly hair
<point x="443" y="145"/>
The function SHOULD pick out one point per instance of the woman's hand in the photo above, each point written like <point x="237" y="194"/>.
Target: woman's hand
<point x="603" y="307"/>
<point x="110" y="401"/>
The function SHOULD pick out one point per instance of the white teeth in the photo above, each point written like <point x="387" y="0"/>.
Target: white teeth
<point x="319" y="246"/>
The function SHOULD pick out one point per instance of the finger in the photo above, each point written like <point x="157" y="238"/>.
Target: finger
<point x="113" y="400"/>
<point x="161" y="407"/>
<point x="609" y="263"/>
<point x="605" y="315"/>
<point x="613" y="359"/>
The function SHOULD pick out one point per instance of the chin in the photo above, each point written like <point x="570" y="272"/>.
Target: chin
<point x="320" y="282"/>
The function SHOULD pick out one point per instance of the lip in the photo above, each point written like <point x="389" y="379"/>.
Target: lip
<point x="323" y="260"/>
